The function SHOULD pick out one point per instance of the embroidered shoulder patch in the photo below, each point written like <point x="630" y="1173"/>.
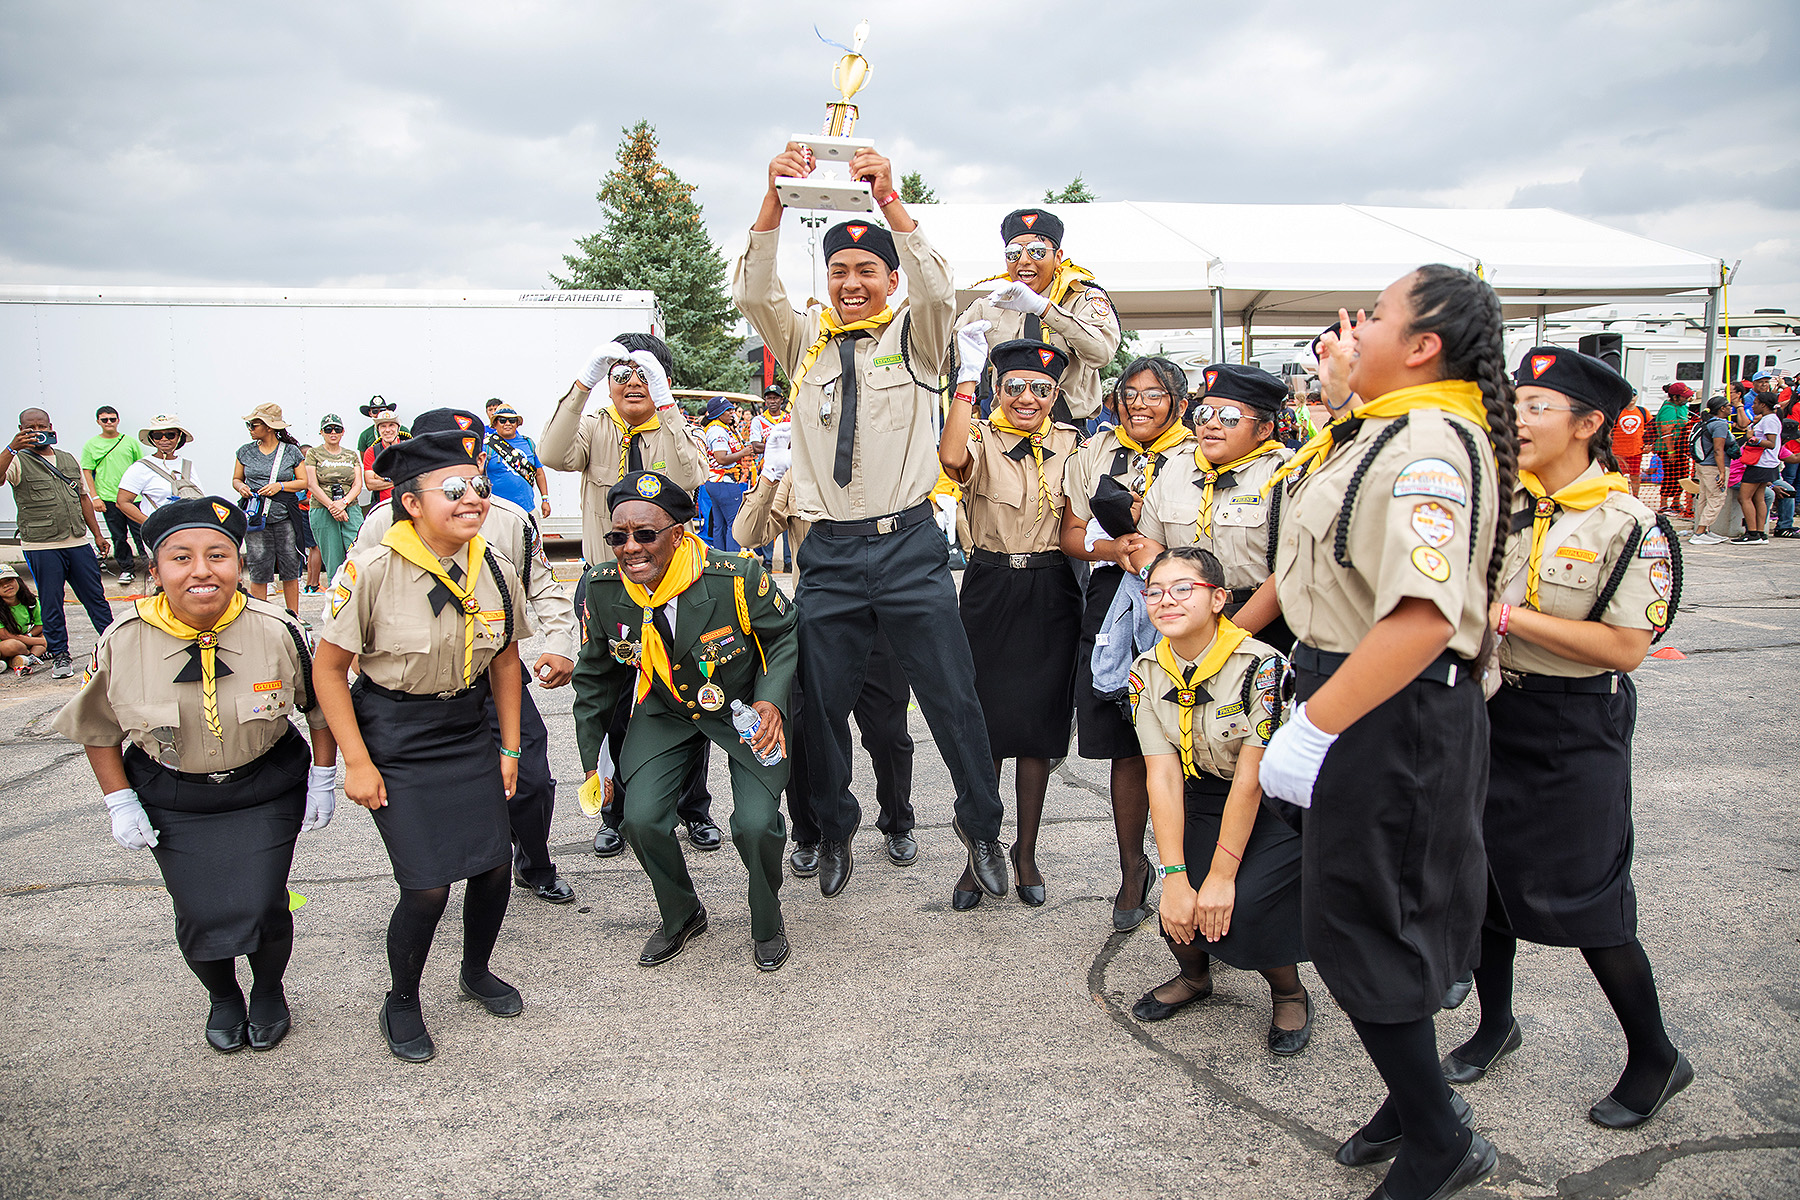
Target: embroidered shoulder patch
<point x="1268" y="674"/>
<point x="1434" y="523"/>
<point x="1662" y="577"/>
<point x="1431" y="564"/>
<point x="1654" y="545"/>
<point x="340" y="596"/>
<point x="1658" y="612"/>
<point x="1265" y="729"/>
<point x="1432" y="477"/>
<point x="762" y="585"/>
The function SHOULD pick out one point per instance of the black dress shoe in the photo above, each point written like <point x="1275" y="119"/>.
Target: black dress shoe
<point x="770" y="954"/>
<point x="607" y="842"/>
<point x="662" y="946"/>
<point x="415" y="1050"/>
<point x="835" y="865"/>
<point x="902" y="850"/>
<point x="804" y="860"/>
<point x="263" y="1035"/>
<point x="1149" y="1008"/>
<point x="1459" y="991"/>
<point x="704" y="835"/>
<point x="1287" y="1042"/>
<point x="228" y="1025"/>
<point x="554" y="892"/>
<point x="1359" y="1151"/>
<point x="495" y="994"/>
<point x="963" y="901"/>
<point x="1613" y="1115"/>
<point x="1476" y="1165"/>
<point x="987" y="862"/>
<point x="1461" y="1070"/>
<point x="1030" y="894"/>
<point x="1127" y="919"/>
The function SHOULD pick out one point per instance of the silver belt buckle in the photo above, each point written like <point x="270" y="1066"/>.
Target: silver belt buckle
<point x="448" y="695"/>
<point x="1017" y="562"/>
<point x="218" y="777"/>
<point x="1514" y="678"/>
<point x="886" y="524"/>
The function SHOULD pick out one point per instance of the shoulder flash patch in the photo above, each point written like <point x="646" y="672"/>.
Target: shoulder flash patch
<point x="1432" y="477"/>
<point x="1655" y="543"/>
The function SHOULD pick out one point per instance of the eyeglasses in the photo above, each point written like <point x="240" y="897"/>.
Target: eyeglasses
<point x="1181" y="592"/>
<point x="1148" y="396"/>
<point x="1532" y="411"/>
<point x="1229" y="415"/>
<point x="157" y="435"/>
<point x="642" y="537"/>
<point x="456" y="486"/>
<point x="624" y="373"/>
<point x="1038" y="251"/>
<point x="1043" y="389"/>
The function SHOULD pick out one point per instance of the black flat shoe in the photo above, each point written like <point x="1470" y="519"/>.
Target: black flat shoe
<point x="704" y="835"/>
<point x="1030" y="894"/>
<point x="1476" y="1165"/>
<point x="228" y="1026"/>
<point x="1461" y="1070"/>
<point x="987" y="862"/>
<point x="771" y="953"/>
<point x="902" y="850"/>
<point x="554" y="892"/>
<point x="1613" y="1115"/>
<point x="1359" y="1151"/>
<point x="1149" y="1008"/>
<point x="496" y="995"/>
<point x="416" y="1050"/>
<point x="607" y="842"/>
<point x="804" y="860"/>
<point x="662" y="947"/>
<point x="1287" y="1042"/>
<point x="264" y="1035"/>
<point x="963" y="901"/>
<point x="836" y="864"/>
<point x="1456" y="993"/>
<point x="1127" y="919"/>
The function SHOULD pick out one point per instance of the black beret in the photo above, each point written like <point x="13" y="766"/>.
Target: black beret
<point x="1111" y="506"/>
<point x="862" y="235"/>
<point x="1576" y="376"/>
<point x="377" y="404"/>
<point x="1243" y="384"/>
<point x="1023" y="354"/>
<point x="445" y="420"/>
<point x="655" y="489"/>
<point x="1032" y="220"/>
<point x="210" y="512"/>
<point x="426" y="452"/>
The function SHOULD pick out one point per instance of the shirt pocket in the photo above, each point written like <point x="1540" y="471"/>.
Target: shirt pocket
<point x="1567" y="588"/>
<point x="145" y="715"/>
<point x="1179" y="511"/>
<point x="1243" y="510"/>
<point x="401" y="636"/>
<point x="273" y="705"/>
<point x="889" y="399"/>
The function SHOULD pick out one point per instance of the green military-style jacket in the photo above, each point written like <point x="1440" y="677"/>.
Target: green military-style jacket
<point x="750" y="663"/>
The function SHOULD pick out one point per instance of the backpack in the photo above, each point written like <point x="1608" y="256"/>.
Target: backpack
<point x="182" y="480"/>
<point x="1700" y="443"/>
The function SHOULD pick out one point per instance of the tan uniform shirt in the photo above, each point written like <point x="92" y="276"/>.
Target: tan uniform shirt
<point x="1422" y="526"/>
<point x="589" y="443"/>
<point x="1242" y="528"/>
<point x="1001" y="495"/>
<point x="1105" y="454"/>
<point x="1576" y="567"/>
<point x="894" y="462"/>
<point x="381" y="610"/>
<point x="767" y="512"/>
<point x="1223" y="724"/>
<point x="129" y="689"/>
<point x="512" y="534"/>
<point x="1084" y="325"/>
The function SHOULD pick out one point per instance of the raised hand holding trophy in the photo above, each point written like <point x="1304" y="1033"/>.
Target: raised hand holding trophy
<point x="835" y="145"/>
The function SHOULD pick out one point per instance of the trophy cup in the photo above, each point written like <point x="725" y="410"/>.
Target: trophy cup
<point x="834" y="144"/>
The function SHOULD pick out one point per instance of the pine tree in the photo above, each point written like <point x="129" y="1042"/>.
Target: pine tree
<point x="1076" y="193"/>
<point x="652" y="239"/>
<point x="914" y="190"/>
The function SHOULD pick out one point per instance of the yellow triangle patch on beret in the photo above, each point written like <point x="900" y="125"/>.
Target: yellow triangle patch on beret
<point x="469" y="446"/>
<point x="220" y="511"/>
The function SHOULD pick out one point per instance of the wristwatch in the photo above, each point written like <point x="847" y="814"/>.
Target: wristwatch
<point x="1163" y="872"/>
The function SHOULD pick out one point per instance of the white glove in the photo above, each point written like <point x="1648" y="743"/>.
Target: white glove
<point x="131" y="824"/>
<point x="1017" y="297"/>
<point x="321" y="797"/>
<point x="1096" y="533"/>
<point x="971" y="350"/>
<point x="946" y="513"/>
<point x="600" y="362"/>
<point x="653" y="375"/>
<point x="776" y="461"/>
<point x="1290" y="765"/>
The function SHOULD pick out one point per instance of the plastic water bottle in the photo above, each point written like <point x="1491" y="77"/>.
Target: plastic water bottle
<point x="747" y="723"/>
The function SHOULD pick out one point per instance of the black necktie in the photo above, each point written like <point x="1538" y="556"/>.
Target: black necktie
<point x="634" y="453"/>
<point x="440" y="595"/>
<point x="1034" y="327"/>
<point x="659" y="617"/>
<point x="846" y="439"/>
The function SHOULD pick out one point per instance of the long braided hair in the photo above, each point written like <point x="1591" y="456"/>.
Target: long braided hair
<point x="1465" y="314"/>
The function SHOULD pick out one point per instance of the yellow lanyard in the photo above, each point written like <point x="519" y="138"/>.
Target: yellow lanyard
<point x="404" y="540"/>
<point x="684" y="569"/>
<point x="1168" y="439"/>
<point x="828" y="329"/>
<point x="155" y="610"/>
<point x="1209" y="475"/>
<point x="627" y="432"/>
<point x="1035" y="438"/>
<point x="1187" y="687"/>
<point x="1583" y="494"/>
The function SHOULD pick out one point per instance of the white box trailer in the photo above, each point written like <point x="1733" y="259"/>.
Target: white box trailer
<point x="210" y="355"/>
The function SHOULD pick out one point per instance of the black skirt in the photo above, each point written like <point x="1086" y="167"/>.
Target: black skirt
<point x="1022" y="628"/>
<point x="445" y="818"/>
<point x="1104" y="732"/>
<point x="1558" y="821"/>
<point x="1393" y="875"/>
<point x="1265" y="918"/>
<point x="225" y="849"/>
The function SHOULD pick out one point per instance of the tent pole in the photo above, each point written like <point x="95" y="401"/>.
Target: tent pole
<point x="1218" y="324"/>
<point x="1244" y="341"/>
<point x="1707" y="378"/>
<point x="1537" y="336"/>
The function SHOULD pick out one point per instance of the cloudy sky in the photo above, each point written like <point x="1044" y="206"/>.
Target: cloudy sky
<point x="458" y="143"/>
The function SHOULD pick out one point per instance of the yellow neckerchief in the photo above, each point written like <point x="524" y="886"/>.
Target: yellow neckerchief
<point x="1460" y="397"/>
<point x="1036" y="439"/>
<point x="1067" y="272"/>
<point x="1209" y="474"/>
<point x="684" y="570"/>
<point x="403" y="539"/>
<point x="828" y="329"/>
<point x="1168" y="439"/>
<point x="627" y="432"/>
<point x="1225" y="640"/>
<point x="156" y="610"/>
<point x="1586" y="492"/>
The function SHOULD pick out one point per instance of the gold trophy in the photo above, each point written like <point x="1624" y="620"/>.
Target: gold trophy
<point x="835" y="145"/>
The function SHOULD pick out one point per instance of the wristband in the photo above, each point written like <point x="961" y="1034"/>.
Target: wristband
<point x="1227" y="849"/>
<point x="1505" y="619"/>
<point x="509" y="753"/>
<point x="887" y="199"/>
<point x="1163" y="872"/>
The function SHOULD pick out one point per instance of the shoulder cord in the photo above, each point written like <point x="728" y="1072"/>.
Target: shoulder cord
<point x="1618" y="573"/>
<point x="299" y="640"/>
<point x="1468" y="441"/>
<point x="1675" y="572"/>
<point x="936" y="389"/>
<point x="1624" y="564"/>
<point x="531" y="540"/>
<point x="1275" y="495"/>
<point x="1340" y="550"/>
<point x="493" y="566"/>
<point x="1247" y="689"/>
<point x="743" y="614"/>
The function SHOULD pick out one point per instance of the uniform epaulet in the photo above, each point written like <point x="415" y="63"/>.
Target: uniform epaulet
<point x="721" y="562"/>
<point x="1065" y="425"/>
<point x="605" y="571"/>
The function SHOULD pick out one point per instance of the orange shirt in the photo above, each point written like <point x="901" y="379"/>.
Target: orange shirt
<point x="1628" y="432"/>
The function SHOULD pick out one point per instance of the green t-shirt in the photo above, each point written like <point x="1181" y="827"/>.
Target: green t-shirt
<point x="107" y="458"/>
<point x="25" y="617"/>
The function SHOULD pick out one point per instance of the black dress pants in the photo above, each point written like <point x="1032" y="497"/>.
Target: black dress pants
<point x="695" y="803"/>
<point x="880" y="714"/>
<point x="533" y="802"/>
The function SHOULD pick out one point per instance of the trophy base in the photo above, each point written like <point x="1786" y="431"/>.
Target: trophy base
<point x="833" y="194"/>
<point x="832" y="149"/>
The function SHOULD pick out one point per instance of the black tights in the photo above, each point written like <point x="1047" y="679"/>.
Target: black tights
<point x="268" y="963"/>
<point x="1285" y="991"/>
<point x="1131" y="816"/>
<point x="1417" y="1106"/>
<point x="1624" y="975"/>
<point x="414" y="925"/>
<point x="1031" y="779"/>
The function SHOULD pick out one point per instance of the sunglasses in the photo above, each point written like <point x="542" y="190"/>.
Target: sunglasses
<point x="457" y="486"/>
<point x="1043" y="389"/>
<point x="642" y="537"/>
<point x="1181" y="592"/>
<point x="157" y="435"/>
<point x="624" y="373"/>
<point x="109" y="420"/>
<point x="331" y="429"/>
<point x="1148" y="396"/>
<point x="1038" y="251"/>
<point x="506" y="420"/>
<point x="1229" y="415"/>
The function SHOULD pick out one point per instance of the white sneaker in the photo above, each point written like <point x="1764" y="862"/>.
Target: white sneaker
<point x="126" y="577"/>
<point x="1706" y="539"/>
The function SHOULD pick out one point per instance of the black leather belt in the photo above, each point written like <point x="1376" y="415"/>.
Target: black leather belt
<point x="1019" y="562"/>
<point x="410" y="697"/>
<point x="1240" y="595"/>
<point x="1591" y="685"/>
<point x="877" y="526"/>
<point x="1446" y="668"/>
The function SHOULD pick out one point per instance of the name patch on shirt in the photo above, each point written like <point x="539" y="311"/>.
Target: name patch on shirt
<point x="1577" y="553"/>
<point x="1432" y="477"/>
<point x="886" y="360"/>
<point x="268" y="685"/>
<point x="1230" y="710"/>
